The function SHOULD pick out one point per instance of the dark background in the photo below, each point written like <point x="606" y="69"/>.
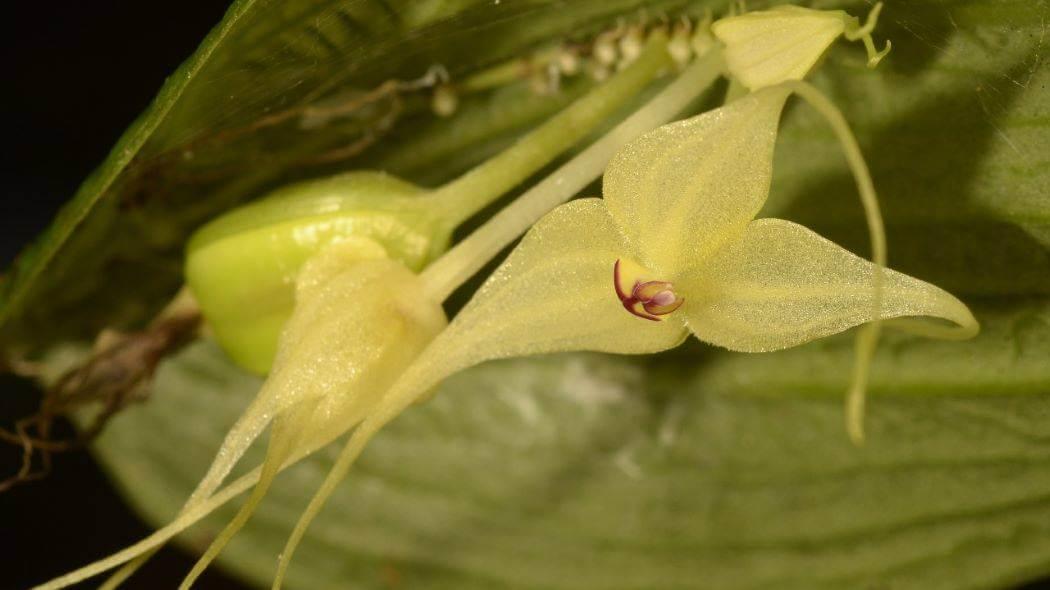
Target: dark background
<point x="75" y="76"/>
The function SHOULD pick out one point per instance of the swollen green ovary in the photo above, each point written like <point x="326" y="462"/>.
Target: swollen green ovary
<point x="245" y="282"/>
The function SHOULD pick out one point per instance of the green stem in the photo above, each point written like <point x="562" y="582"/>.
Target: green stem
<point x="461" y="262"/>
<point x="468" y="194"/>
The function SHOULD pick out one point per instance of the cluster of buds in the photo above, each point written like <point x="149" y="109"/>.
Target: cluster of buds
<point x="607" y="52"/>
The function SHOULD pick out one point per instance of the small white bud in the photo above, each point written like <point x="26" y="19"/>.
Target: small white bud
<point x="680" y="47"/>
<point x="630" y="46"/>
<point x="568" y="62"/>
<point x="445" y="101"/>
<point x="605" y="51"/>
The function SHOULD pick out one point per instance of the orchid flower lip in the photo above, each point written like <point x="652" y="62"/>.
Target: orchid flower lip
<point x="649" y="300"/>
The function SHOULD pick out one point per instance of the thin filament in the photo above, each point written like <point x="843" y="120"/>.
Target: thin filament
<point x="868" y="337"/>
<point x="284" y="439"/>
<point x="863" y="33"/>
<point x="187" y="518"/>
<point x="402" y="394"/>
<point x="236" y="442"/>
<point x="356" y="443"/>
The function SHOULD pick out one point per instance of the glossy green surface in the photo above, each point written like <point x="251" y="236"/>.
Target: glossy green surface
<point x="242" y="266"/>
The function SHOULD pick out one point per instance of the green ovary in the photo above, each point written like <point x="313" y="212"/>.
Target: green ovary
<point x="243" y="266"/>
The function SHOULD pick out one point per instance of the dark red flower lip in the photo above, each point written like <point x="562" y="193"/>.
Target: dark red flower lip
<point x="648" y="300"/>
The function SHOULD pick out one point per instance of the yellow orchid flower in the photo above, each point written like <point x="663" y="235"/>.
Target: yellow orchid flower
<point x="673" y="248"/>
<point x="675" y="239"/>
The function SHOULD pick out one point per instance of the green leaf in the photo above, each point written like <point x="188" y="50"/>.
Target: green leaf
<point x="587" y="471"/>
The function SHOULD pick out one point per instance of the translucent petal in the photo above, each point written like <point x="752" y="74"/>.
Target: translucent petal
<point x="350" y="336"/>
<point x="554" y="293"/>
<point x="768" y="47"/>
<point x="782" y="285"/>
<point x="684" y="189"/>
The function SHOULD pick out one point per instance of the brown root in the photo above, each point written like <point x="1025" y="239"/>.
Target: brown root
<point x="119" y="372"/>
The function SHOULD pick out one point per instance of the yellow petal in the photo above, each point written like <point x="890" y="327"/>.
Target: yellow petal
<point x="554" y="293"/>
<point x="782" y="285"/>
<point x="684" y="189"/>
<point x="768" y="47"/>
<point x="351" y="335"/>
<point x="357" y="325"/>
<point x="354" y="331"/>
